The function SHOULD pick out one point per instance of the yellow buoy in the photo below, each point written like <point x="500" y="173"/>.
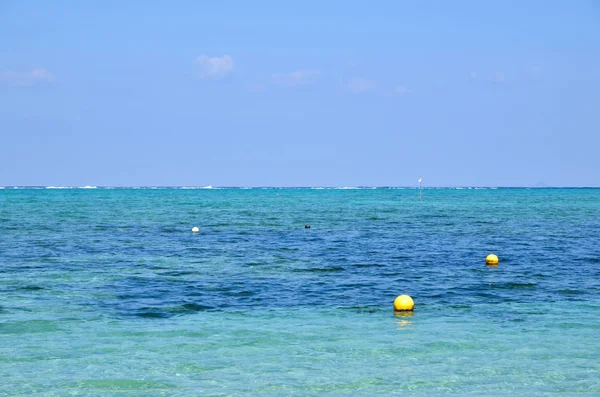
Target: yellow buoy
<point x="491" y="260"/>
<point x="195" y="229"/>
<point x="403" y="302"/>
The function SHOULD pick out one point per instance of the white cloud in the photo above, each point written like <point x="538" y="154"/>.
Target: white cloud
<point x="360" y="85"/>
<point x="214" y="67"/>
<point x="401" y="90"/>
<point x="34" y="76"/>
<point x="474" y="75"/>
<point x="536" y="69"/>
<point x="296" y="78"/>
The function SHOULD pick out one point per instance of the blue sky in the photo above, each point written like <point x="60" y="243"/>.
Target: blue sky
<point x="312" y="93"/>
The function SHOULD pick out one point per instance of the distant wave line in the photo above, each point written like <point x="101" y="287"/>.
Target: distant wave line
<point x="70" y="187"/>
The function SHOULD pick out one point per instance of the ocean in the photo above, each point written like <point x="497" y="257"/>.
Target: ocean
<point x="107" y="292"/>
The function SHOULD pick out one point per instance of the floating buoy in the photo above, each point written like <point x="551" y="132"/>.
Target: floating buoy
<point x="195" y="229"/>
<point x="404" y="303"/>
<point x="307" y="226"/>
<point x="491" y="260"/>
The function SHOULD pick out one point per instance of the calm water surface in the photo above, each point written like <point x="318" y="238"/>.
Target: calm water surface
<point x="107" y="292"/>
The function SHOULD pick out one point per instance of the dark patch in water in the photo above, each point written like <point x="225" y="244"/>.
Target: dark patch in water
<point x="400" y="257"/>
<point x="179" y="273"/>
<point x="242" y="293"/>
<point x="167" y="312"/>
<point x="153" y="315"/>
<point x="362" y="309"/>
<point x="289" y="249"/>
<point x="571" y="292"/>
<point x="194" y="307"/>
<point x="513" y="285"/>
<point x="369" y="265"/>
<point x="592" y="260"/>
<point x="31" y="288"/>
<point x="456" y="307"/>
<point x="319" y="270"/>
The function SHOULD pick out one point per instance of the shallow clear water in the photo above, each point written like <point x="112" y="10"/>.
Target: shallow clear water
<point x="107" y="292"/>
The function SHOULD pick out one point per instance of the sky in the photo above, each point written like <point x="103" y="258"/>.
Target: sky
<point x="311" y="93"/>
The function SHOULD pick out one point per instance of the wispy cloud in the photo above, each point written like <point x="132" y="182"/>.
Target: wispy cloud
<point x="358" y="86"/>
<point x="398" y="90"/>
<point x="536" y="69"/>
<point x="28" y="78"/>
<point x="214" y="67"/>
<point x="497" y="77"/>
<point x="296" y="78"/>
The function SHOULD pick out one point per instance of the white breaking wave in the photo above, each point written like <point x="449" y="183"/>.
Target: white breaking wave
<point x="87" y="187"/>
<point x="195" y="187"/>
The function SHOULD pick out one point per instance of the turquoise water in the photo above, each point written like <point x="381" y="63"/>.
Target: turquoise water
<point x="107" y="292"/>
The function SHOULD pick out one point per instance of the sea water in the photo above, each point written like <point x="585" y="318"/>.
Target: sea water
<point x="106" y="292"/>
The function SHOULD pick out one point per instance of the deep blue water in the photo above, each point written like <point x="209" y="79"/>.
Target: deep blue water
<point x="107" y="292"/>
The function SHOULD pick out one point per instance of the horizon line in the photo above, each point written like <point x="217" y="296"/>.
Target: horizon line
<point x="208" y="187"/>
